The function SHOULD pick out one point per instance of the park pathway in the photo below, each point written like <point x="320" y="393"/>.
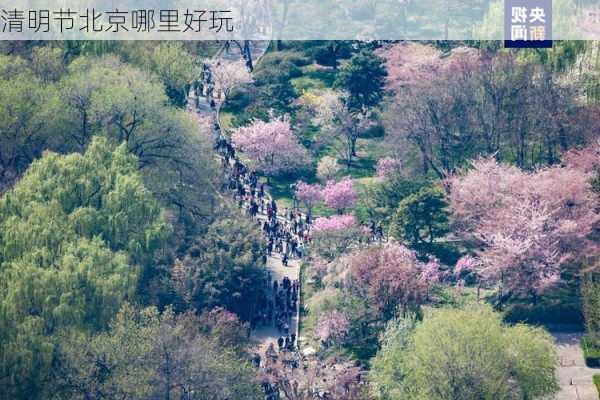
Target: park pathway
<point x="263" y="335"/>
<point x="574" y="377"/>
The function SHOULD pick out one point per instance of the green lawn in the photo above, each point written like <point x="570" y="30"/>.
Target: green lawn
<point x="315" y="77"/>
<point x="597" y="383"/>
<point x="279" y="188"/>
<point x="369" y="150"/>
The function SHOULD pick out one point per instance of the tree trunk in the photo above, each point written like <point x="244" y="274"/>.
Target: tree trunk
<point x="248" y="55"/>
<point x="353" y="144"/>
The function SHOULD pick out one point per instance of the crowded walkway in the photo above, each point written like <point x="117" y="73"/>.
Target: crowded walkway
<point x="287" y="234"/>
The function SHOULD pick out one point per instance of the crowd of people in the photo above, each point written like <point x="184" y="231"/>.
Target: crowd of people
<point x="287" y="233"/>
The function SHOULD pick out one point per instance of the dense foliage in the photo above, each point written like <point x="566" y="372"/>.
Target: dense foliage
<point x="150" y="355"/>
<point x="464" y="354"/>
<point x="76" y="233"/>
<point x="223" y="268"/>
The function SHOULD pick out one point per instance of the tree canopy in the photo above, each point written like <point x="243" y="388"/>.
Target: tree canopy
<point x="151" y="355"/>
<point x="75" y="233"/>
<point x="464" y="354"/>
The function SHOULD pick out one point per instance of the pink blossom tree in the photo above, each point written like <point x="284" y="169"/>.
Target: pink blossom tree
<point x="225" y="326"/>
<point x="316" y="376"/>
<point x="332" y="327"/>
<point x="387" y="166"/>
<point x="271" y="146"/>
<point x="339" y="195"/>
<point x="334" y="223"/>
<point x="332" y="236"/>
<point x="415" y="64"/>
<point x="308" y="194"/>
<point x="392" y="277"/>
<point x="586" y="160"/>
<point x="465" y="265"/>
<point x="226" y="76"/>
<point x="524" y="225"/>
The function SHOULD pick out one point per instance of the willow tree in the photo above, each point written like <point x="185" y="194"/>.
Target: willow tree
<point x="75" y="233"/>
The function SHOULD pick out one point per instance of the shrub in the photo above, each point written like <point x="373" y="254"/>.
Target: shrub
<point x="591" y="353"/>
<point x="590" y="299"/>
<point x="544" y="314"/>
<point x="238" y="100"/>
<point x="293" y="58"/>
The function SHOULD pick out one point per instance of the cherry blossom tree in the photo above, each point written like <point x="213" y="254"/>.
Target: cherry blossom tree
<point x="226" y="76"/>
<point x="271" y="146"/>
<point x="327" y="168"/>
<point x="341" y="127"/>
<point x="524" y="225"/>
<point x="332" y="236"/>
<point x="466" y="269"/>
<point x="586" y="160"/>
<point x="480" y="103"/>
<point x="339" y="195"/>
<point x="308" y="194"/>
<point x="332" y="327"/>
<point x="334" y="223"/>
<point x="392" y="277"/>
<point x="337" y="379"/>
<point x="226" y="327"/>
<point x="415" y="64"/>
<point x="465" y="266"/>
<point x="387" y="166"/>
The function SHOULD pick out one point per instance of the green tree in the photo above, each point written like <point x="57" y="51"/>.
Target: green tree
<point x="421" y="218"/>
<point x="48" y="63"/>
<point x="389" y="366"/>
<point x="590" y="297"/>
<point x="596" y="183"/>
<point x="31" y="118"/>
<point x="364" y="79"/>
<point x="329" y="52"/>
<point x="176" y="68"/>
<point x="273" y="79"/>
<point x="123" y="103"/>
<point x="75" y="232"/>
<point x="223" y="267"/>
<point x="465" y="354"/>
<point x="150" y="355"/>
<point x="379" y="200"/>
